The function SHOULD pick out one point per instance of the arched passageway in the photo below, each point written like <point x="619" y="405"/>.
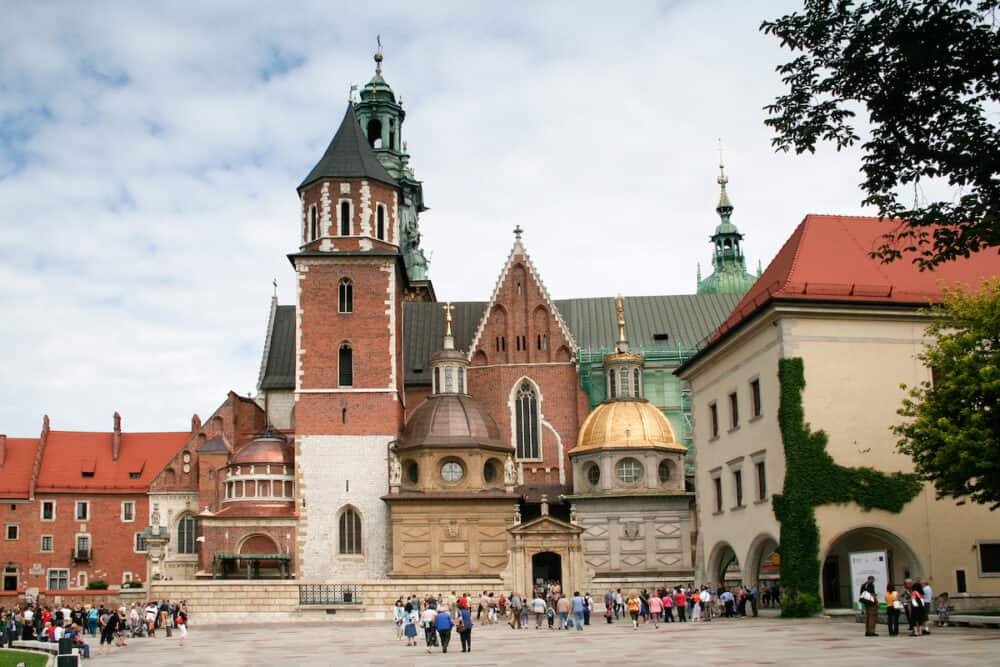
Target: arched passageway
<point x="901" y="562"/>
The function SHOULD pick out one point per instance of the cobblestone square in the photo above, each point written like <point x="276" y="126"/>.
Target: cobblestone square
<point x="761" y="641"/>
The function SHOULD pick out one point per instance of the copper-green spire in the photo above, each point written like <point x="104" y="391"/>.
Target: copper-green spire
<point x="729" y="273"/>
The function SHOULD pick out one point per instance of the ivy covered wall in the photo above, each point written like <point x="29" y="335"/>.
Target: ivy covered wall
<point x="812" y="479"/>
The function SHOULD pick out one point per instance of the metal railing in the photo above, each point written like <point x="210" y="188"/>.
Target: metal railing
<point x="330" y="594"/>
<point x="82" y="555"/>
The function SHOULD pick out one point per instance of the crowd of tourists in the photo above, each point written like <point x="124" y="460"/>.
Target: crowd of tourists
<point x="36" y="622"/>
<point x="435" y="617"/>
<point x="914" y="600"/>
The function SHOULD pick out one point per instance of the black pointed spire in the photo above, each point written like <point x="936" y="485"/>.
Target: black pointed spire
<point x="349" y="156"/>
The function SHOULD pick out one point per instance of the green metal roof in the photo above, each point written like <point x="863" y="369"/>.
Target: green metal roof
<point x="686" y="320"/>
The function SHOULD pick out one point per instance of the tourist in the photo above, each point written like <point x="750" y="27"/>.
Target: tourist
<point x="869" y="603"/>
<point x="481" y="605"/>
<point x="578" y="605"/>
<point x="619" y="603"/>
<point x="181" y="620"/>
<point x="893" y="605"/>
<point x="562" y="607"/>
<point x="75" y="633"/>
<point x="667" y="600"/>
<point x="465" y="629"/>
<point x="729" y="603"/>
<point x="705" y="597"/>
<point x="150" y="617"/>
<point x="491" y="608"/>
<point x="680" y="602"/>
<point x="410" y="620"/>
<point x="109" y="624"/>
<point x="655" y="609"/>
<point x="694" y="604"/>
<point x="515" y="610"/>
<point x="538" y="608"/>
<point x="92" y="618"/>
<point x="918" y="609"/>
<point x="443" y="624"/>
<point x="928" y="594"/>
<point x="906" y="596"/>
<point x="427" y="617"/>
<point x="754" y="592"/>
<point x="943" y="610"/>
<point x="634" y="607"/>
<point x="588" y="604"/>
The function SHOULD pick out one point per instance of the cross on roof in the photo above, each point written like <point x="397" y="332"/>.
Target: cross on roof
<point x="517" y="233"/>
<point x="448" y="308"/>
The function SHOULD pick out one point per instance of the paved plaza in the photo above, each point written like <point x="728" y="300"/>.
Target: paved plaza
<point x="761" y="641"/>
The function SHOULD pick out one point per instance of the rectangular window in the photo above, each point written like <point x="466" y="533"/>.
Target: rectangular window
<point x="713" y="411"/>
<point x="48" y="510"/>
<point x="82" y="510"/>
<point x="718" y="494"/>
<point x="48" y="546"/>
<point x="83" y="547"/>
<point x="960" y="584"/>
<point x="761" y="480"/>
<point x="989" y="557"/>
<point x="81" y="579"/>
<point x="755" y="406"/>
<point x="140" y="543"/>
<point x="734" y="411"/>
<point x="128" y="511"/>
<point x="58" y="580"/>
<point x="738" y="483"/>
<point x="12" y="532"/>
<point x="126" y="577"/>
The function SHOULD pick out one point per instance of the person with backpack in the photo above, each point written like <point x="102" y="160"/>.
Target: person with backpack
<point x="465" y="629"/>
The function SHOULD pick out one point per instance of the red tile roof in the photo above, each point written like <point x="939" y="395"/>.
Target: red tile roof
<point x="69" y="454"/>
<point x="15" y="475"/>
<point x="827" y="259"/>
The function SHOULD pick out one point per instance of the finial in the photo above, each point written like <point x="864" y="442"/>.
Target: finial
<point x="448" y="308"/>
<point x="378" y="55"/>
<point x="517" y="233"/>
<point x="275" y="283"/>
<point x="722" y="180"/>
<point x="620" y="307"/>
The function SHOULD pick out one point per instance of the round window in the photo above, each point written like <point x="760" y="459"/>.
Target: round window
<point x="629" y="471"/>
<point x="664" y="470"/>
<point x="187" y="457"/>
<point x="490" y="472"/>
<point x="412" y="472"/>
<point x="593" y="474"/>
<point x="452" y="471"/>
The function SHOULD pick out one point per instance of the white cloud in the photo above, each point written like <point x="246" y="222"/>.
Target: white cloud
<point x="148" y="165"/>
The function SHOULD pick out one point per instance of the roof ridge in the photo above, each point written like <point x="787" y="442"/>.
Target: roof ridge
<point x="799" y="242"/>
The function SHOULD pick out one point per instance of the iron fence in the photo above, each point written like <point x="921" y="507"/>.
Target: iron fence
<point x="329" y="594"/>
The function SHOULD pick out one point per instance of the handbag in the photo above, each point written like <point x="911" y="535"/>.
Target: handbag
<point x="867" y="597"/>
<point x="897" y="604"/>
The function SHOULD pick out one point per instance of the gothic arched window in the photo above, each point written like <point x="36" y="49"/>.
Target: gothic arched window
<point x="526" y="421"/>
<point x="350" y="531"/>
<point x="345" y="218"/>
<point x="345" y="296"/>
<point x="187" y="533"/>
<point x="380" y="222"/>
<point x="346" y="366"/>
<point x="313" y="223"/>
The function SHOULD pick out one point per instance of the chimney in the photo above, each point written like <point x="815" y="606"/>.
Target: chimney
<point x="195" y="423"/>
<point x="3" y="449"/>
<point x="116" y="438"/>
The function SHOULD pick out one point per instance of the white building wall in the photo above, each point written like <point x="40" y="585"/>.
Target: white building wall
<point x="333" y="472"/>
<point x="279" y="408"/>
<point x="173" y="505"/>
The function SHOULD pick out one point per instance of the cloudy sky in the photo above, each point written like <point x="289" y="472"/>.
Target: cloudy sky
<point x="149" y="154"/>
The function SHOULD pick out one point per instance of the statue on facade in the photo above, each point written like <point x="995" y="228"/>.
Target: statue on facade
<point x="395" y="470"/>
<point x="154" y="519"/>
<point x="509" y="472"/>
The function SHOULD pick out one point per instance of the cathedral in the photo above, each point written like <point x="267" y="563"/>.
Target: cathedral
<point x="394" y="437"/>
<point x="522" y="437"/>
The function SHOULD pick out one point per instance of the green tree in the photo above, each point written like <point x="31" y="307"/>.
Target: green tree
<point x="952" y="430"/>
<point x="925" y="73"/>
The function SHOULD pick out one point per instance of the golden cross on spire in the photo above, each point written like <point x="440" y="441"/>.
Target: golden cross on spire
<point x="448" y="308"/>
<point x="378" y="55"/>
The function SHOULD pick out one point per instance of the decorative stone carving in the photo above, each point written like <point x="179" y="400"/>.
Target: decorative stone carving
<point x="395" y="471"/>
<point x="631" y="530"/>
<point x="509" y="471"/>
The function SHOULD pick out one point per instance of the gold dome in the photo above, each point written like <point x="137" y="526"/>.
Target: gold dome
<point x="627" y="424"/>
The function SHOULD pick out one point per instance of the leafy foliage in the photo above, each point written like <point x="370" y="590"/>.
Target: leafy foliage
<point x="952" y="430"/>
<point x="812" y="479"/>
<point x="926" y="73"/>
<point x="97" y="585"/>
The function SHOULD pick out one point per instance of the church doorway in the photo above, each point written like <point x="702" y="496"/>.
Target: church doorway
<point x="546" y="567"/>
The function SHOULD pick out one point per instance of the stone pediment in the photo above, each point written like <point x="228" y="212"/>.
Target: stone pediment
<point x="546" y="525"/>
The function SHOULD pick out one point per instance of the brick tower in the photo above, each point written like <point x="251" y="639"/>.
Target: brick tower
<point x="352" y="279"/>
